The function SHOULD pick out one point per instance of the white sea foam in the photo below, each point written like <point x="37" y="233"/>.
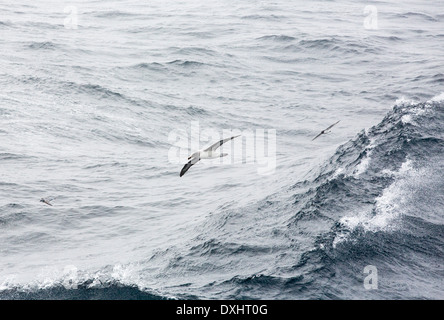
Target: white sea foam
<point x="411" y="109"/>
<point x="406" y="118"/>
<point x="404" y="101"/>
<point x="338" y="172"/>
<point x="382" y="216"/>
<point x="363" y="165"/>
<point x="438" y="98"/>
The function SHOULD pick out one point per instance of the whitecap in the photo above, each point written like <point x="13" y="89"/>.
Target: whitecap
<point x="386" y="210"/>
<point x="365" y="162"/>
<point x="437" y="98"/>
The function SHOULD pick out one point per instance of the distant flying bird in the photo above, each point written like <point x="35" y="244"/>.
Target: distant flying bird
<point x="325" y="130"/>
<point x="208" y="153"/>
<point x="47" y="201"/>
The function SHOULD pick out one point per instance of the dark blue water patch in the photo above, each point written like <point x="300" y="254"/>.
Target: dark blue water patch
<point x="289" y="60"/>
<point x="259" y="286"/>
<point x="12" y="205"/>
<point x="196" y="111"/>
<point x="106" y="165"/>
<point x="278" y="38"/>
<point x="123" y="137"/>
<point x="200" y="34"/>
<point x="5" y="24"/>
<point x="40" y="25"/>
<point x="69" y="87"/>
<point x="112" y="291"/>
<point x="115" y="14"/>
<point x="186" y="63"/>
<point x="299" y="279"/>
<point x="153" y="66"/>
<point x="390" y="39"/>
<point x="13" y="214"/>
<point x="185" y="51"/>
<point x="45" y="45"/>
<point x="413" y="253"/>
<point x="328" y="45"/>
<point x="418" y="31"/>
<point x="11" y="156"/>
<point x="319" y="43"/>
<point x="213" y="247"/>
<point x="95" y="88"/>
<point x="190" y="110"/>
<point x="419" y="78"/>
<point x="420" y="15"/>
<point x="271" y="17"/>
<point x="438" y="78"/>
<point x="9" y="184"/>
<point x="94" y="211"/>
<point x="101" y="93"/>
<point x="424" y="237"/>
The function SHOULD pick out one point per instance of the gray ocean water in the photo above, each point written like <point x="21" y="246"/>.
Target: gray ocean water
<point x="92" y="91"/>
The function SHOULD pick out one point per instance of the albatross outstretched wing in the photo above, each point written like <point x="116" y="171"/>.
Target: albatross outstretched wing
<point x="216" y="145"/>
<point x="47" y="201"/>
<point x="332" y="125"/>
<point x="325" y="130"/>
<point x="188" y="165"/>
<point x="322" y="132"/>
<point x="196" y="156"/>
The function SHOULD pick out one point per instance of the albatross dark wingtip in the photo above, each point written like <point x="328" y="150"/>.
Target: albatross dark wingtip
<point x="185" y="168"/>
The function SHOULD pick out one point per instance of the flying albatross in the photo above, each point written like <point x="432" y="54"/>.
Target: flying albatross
<point x="325" y="130"/>
<point x="208" y="153"/>
<point x="47" y="201"/>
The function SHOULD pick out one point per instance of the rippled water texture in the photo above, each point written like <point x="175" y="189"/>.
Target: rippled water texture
<point x="95" y="96"/>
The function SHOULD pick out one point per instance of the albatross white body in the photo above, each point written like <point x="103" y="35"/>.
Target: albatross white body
<point x="208" y="153"/>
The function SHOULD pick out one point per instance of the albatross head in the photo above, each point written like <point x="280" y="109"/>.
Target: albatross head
<point x="194" y="155"/>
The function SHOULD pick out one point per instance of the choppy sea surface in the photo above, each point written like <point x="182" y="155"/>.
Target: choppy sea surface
<point x="92" y="93"/>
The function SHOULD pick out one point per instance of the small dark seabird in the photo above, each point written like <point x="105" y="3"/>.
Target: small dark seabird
<point x="208" y="153"/>
<point x="325" y="130"/>
<point x="47" y="201"/>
